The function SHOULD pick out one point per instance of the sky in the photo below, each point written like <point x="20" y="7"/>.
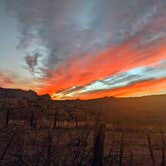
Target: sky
<point x="84" y="49"/>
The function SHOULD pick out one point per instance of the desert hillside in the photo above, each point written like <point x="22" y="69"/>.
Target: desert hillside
<point x="138" y="110"/>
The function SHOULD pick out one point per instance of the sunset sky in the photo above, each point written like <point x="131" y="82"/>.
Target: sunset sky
<point x="84" y="48"/>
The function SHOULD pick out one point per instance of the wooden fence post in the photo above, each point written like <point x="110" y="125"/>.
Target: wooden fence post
<point x="121" y="150"/>
<point x="7" y="118"/>
<point x="163" y="149"/>
<point x="151" y="150"/>
<point x="131" y="158"/>
<point x="98" y="150"/>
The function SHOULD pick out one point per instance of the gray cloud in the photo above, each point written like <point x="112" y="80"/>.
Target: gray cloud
<point x="67" y="27"/>
<point x="32" y="61"/>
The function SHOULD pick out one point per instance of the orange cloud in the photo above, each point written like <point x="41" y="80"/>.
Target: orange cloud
<point x="138" y="89"/>
<point x="6" y="80"/>
<point x="83" y="70"/>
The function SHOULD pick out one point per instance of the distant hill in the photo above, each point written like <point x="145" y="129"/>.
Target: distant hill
<point x="136" y="110"/>
<point x="18" y="93"/>
<point x="16" y="98"/>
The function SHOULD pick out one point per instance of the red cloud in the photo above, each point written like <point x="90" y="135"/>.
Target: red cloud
<point x="138" y="89"/>
<point x="83" y="70"/>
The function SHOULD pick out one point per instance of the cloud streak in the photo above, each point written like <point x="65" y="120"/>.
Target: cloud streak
<point x="84" y="47"/>
<point x="82" y="71"/>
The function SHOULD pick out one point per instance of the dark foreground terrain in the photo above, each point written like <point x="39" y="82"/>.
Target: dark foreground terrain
<point x="36" y="131"/>
<point x="81" y="146"/>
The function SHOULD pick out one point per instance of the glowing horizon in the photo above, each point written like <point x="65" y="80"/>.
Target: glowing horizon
<point x="84" y="49"/>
